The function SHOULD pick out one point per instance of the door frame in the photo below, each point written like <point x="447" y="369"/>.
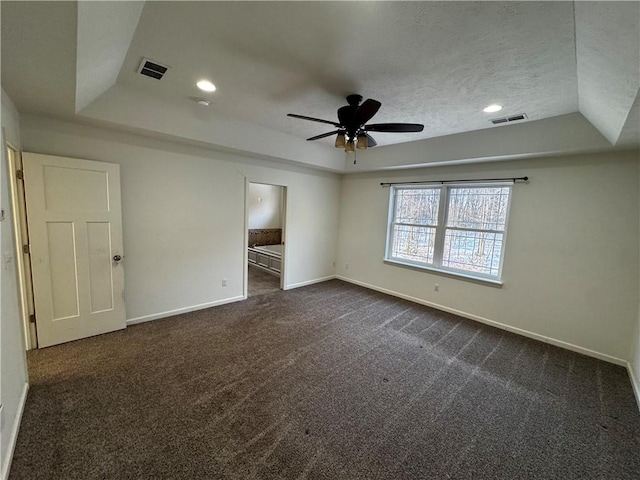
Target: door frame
<point x="21" y="237"/>
<point x="284" y="215"/>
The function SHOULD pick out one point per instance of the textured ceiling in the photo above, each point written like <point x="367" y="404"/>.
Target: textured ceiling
<point x="436" y="63"/>
<point x="427" y="62"/>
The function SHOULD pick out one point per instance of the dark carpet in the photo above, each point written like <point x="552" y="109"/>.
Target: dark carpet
<point x="261" y="282"/>
<point x="330" y="381"/>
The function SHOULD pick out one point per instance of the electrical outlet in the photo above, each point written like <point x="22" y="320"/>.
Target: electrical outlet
<point x="346" y="266"/>
<point x="224" y="282"/>
<point x="436" y="287"/>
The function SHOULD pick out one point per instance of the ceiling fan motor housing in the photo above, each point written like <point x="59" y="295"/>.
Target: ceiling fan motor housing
<point x="354" y="99"/>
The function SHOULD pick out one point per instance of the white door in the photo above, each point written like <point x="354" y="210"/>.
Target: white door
<point x="75" y="235"/>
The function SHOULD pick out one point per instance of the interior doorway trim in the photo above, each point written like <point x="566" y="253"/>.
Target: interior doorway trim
<point x="284" y="214"/>
<point x="20" y="234"/>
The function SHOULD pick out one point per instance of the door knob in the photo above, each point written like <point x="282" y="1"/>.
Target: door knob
<point x="117" y="258"/>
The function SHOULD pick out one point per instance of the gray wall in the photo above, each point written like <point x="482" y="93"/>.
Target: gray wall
<point x="265" y="206"/>
<point x="183" y="211"/>
<point x="634" y="358"/>
<point x="13" y="367"/>
<point x="571" y="261"/>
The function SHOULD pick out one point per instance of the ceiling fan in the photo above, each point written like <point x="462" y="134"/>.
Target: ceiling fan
<point x="352" y="128"/>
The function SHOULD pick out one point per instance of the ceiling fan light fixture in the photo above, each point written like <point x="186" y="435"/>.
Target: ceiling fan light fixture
<point x="350" y="148"/>
<point x="362" y="142"/>
<point x="340" y="140"/>
<point x="492" y="108"/>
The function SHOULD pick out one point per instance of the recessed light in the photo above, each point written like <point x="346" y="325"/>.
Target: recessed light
<point x="206" y="86"/>
<point x="492" y="108"/>
<point x="203" y="102"/>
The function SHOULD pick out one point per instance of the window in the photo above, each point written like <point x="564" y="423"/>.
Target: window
<point x="454" y="228"/>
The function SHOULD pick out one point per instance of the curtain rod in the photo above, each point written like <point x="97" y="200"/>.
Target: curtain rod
<point x="444" y="182"/>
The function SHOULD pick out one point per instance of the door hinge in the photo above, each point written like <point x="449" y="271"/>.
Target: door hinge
<point x="32" y="318"/>
<point x="26" y="249"/>
<point x="19" y="174"/>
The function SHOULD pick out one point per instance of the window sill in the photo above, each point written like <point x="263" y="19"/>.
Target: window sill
<point x="447" y="273"/>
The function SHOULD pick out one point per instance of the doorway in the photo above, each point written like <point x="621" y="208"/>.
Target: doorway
<point x="265" y="213"/>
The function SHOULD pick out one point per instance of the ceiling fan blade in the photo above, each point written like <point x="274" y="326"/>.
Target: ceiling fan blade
<point x="346" y="115"/>
<point x="394" y="127"/>
<point x="370" y="141"/>
<point x="313" y="119"/>
<point x="323" y="135"/>
<point x="366" y="111"/>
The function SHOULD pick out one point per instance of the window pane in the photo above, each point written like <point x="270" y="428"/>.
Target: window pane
<point x="417" y="206"/>
<point x="482" y="208"/>
<point x="413" y="243"/>
<point x="473" y="251"/>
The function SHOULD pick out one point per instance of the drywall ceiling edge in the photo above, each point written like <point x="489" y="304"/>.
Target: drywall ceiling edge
<point x="564" y="134"/>
<point x="607" y="62"/>
<point x="630" y="134"/>
<point x="183" y="118"/>
<point x="105" y="31"/>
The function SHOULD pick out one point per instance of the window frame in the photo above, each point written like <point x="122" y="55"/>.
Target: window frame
<point x="441" y="229"/>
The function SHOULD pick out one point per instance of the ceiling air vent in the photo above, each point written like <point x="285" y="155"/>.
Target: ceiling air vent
<point x="512" y="118"/>
<point x="152" y="69"/>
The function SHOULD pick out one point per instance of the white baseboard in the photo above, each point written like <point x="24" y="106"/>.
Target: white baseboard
<point x="309" y="282"/>
<point x="6" y="464"/>
<point x="178" y="311"/>
<point x="493" y="323"/>
<point x="635" y="383"/>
